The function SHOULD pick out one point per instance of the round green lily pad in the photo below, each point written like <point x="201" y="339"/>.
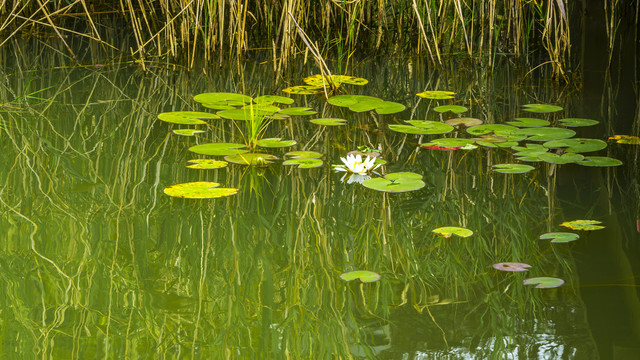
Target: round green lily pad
<point x="218" y="149"/>
<point x="544" y="282"/>
<point x="206" y="164"/>
<point x="364" y="275"/>
<point x="512" y="168"/>
<point x="329" y="121"/>
<point x="456" y="109"/>
<point x="496" y="144"/>
<point x="222" y="99"/>
<point x="199" y="190"/>
<point x="466" y="121"/>
<point x="577" y="122"/>
<point x="303" y="90"/>
<point x="303" y="155"/>
<point x="541" y="108"/>
<point x="511" y="266"/>
<point x="567" y="158"/>
<point x="253" y="159"/>
<point x="545" y="133"/>
<point x="187" y="132"/>
<point x="497" y="129"/>
<point x="448" y="231"/>
<point x="600" y="161"/>
<point x="396" y="182"/>
<point x="449" y="142"/>
<point x="585" y="225"/>
<point x="304" y="163"/>
<point x="270" y="99"/>
<point x="436" y="94"/>
<point x="577" y="145"/>
<point x="349" y="100"/>
<point x="337" y="80"/>
<point x="560" y="237"/>
<point x="298" y="111"/>
<point x="388" y="107"/>
<point x="186" y="117"/>
<point x="275" y="143"/>
<point x="528" y="122"/>
<point x="248" y="113"/>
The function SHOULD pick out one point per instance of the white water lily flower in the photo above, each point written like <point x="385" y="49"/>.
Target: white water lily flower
<point x="355" y="164"/>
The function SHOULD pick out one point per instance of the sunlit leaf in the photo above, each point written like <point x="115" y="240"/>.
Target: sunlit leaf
<point x="187" y="132"/>
<point x="511" y="266"/>
<point x="497" y="129"/>
<point x="206" y="164"/>
<point x="449" y="231"/>
<point x="560" y="237"/>
<point x="219" y="149"/>
<point x="544" y="282"/>
<point x="270" y="99"/>
<point x="329" y="121"/>
<point x="448" y="142"/>
<point x="396" y="182"/>
<point x="436" y="94"/>
<point x="512" y="168"/>
<point x="600" y="161"/>
<point x="222" y="100"/>
<point x="275" y="143"/>
<point x="199" y="190"/>
<point x="304" y="163"/>
<point x="456" y="109"/>
<point x="337" y="80"/>
<point x="186" y="117"/>
<point x="626" y="139"/>
<point x="364" y="275"/>
<point x="298" y="111"/>
<point x="253" y="159"/>
<point x="528" y="122"/>
<point x="249" y="113"/>
<point x="576" y="122"/>
<point x="585" y="225"/>
<point x="303" y="90"/>
<point x="541" y="108"/>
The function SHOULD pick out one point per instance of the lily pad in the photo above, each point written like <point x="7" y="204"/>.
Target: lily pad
<point x="626" y="139"/>
<point x="585" y="225"/>
<point x="388" y="107"/>
<point x="222" y="100"/>
<point x="187" y="132"/>
<point x="449" y="231"/>
<point x="600" y="161"/>
<point x="349" y="100"/>
<point x="512" y="168"/>
<point x="567" y="158"/>
<point x="423" y="127"/>
<point x="577" y="145"/>
<point x="511" y="266"/>
<point x="275" y="143"/>
<point x="303" y="90"/>
<point x="304" y="163"/>
<point x="186" y="117"/>
<point x="528" y="122"/>
<point x="254" y="159"/>
<point x="329" y="121"/>
<point x="497" y="129"/>
<point x="304" y="155"/>
<point x="219" y="149"/>
<point x="456" y="109"/>
<point x="199" y="190"/>
<point x="544" y="282"/>
<point x="364" y="275"/>
<point x="396" y="182"/>
<point x="298" y="111"/>
<point x="448" y="142"/>
<point x="436" y="94"/>
<point x="249" y="113"/>
<point x="337" y="80"/>
<point x="576" y="122"/>
<point x="560" y="237"/>
<point x="496" y="144"/>
<point x="541" y="108"/>
<point x="545" y="133"/>
<point x="270" y="99"/>
<point x="467" y="121"/>
<point x="207" y="164"/>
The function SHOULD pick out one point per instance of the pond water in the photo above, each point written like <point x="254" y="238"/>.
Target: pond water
<point x="98" y="262"/>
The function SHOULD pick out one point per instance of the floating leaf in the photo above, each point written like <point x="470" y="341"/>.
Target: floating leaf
<point x="186" y="117"/>
<point x="298" y="111"/>
<point x="207" y="164"/>
<point x="467" y="121"/>
<point x="364" y="275"/>
<point x="436" y="94"/>
<point x="249" y="113"/>
<point x="270" y="99"/>
<point x="424" y="127"/>
<point x="544" y="282"/>
<point x="626" y="139"/>
<point x="388" y="107"/>
<point x="600" y="161"/>
<point x="396" y="182"/>
<point x="219" y="149"/>
<point x="456" y="109"/>
<point x="528" y="122"/>
<point x="495" y="142"/>
<point x="304" y="163"/>
<point x="222" y="100"/>
<point x="497" y="129"/>
<point x="337" y="80"/>
<point x="199" y="190"/>
<point x="577" y="145"/>
<point x="448" y="231"/>
<point x="545" y="133"/>
<point x="275" y="143"/>
<point x="187" y="132"/>
<point x="567" y="158"/>
<point x="304" y="154"/>
<point x="586" y="225"/>
<point x="576" y="122"/>
<point x="303" y="90"/>
<point x="511" y="266"/>
<point x="449" y="142"/>
<point x="348" y="100"/>
<point x="329" y="121"/>
<point x="254" y="159"/>
<point x="512" y="168"/>
<point x="541" y="108"/>
<point x="560" y="237"/>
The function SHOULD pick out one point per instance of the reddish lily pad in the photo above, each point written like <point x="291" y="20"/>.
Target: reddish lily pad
<point x="512" y="266"/>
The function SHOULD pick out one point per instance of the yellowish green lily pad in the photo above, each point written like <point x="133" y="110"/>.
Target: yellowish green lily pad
<point x="448" y="142"/>
<point x="497" y="129"/>
<point x="545" y="133"/>
<point x="275" y="143"/>
<point x="253" y="159"/>
<point x="270" y="99"/>
<point x="542" y="108"/>
<point x="248" y="113"/>
<point x="544" y="282"/>
<point x="303" y="90"/>
<point x="396" y="182"/>
<point x="560" y="237"/>
<point x="187" y="132"/>
<point x="199" y="190"/>
<point x="337" y="80"/>
<point x="449" y="231"/>
<point x="329" y="121"/>
<point x="423" y="127"/>
<point x="626" y="139"/>
<point x="186" y="117"/>
<point x="220" y="149"/>
<point x="585" y="225"/>
<point x="298" y="111"/>
<point x="222" y="100"/>
<point x="364" y="275"/>
<point x="206" y="164"/>
<point x="456" y="109"/>
<point x="436" y="94"/>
